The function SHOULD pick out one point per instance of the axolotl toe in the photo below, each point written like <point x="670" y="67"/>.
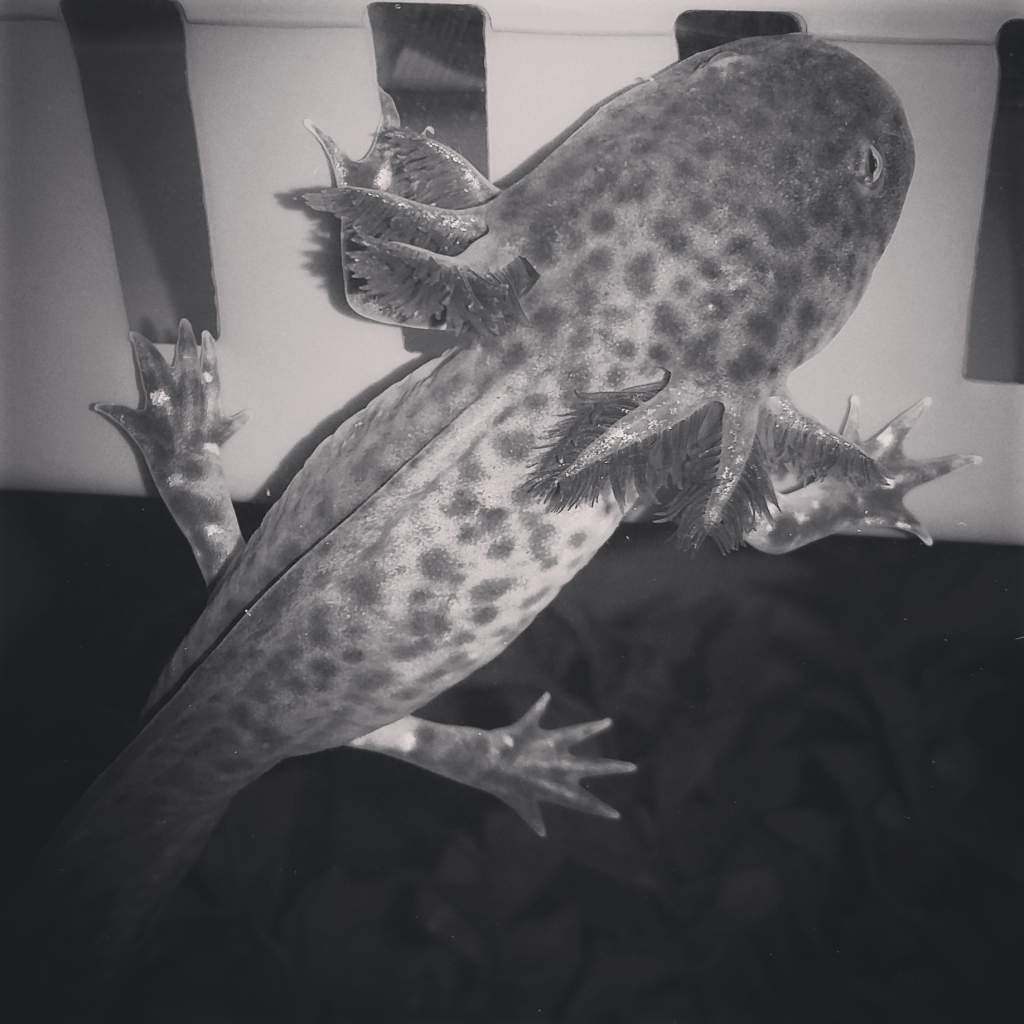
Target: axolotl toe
<point x="623" y="321"/>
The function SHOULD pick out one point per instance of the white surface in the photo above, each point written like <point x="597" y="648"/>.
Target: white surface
<point x="293" y="360"/>
<point x="936" y="20"/>
<point x="62" y="318"/>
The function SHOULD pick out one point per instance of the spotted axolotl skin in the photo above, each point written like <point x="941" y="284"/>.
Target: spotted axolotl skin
<point x="623" y="320"/>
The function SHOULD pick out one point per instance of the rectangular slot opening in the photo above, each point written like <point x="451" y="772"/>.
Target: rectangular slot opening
<point x="995" y="336"/>
<point x="131" y="61"/>
<point x="430" y="60"/>
<point x="697" y="31"/>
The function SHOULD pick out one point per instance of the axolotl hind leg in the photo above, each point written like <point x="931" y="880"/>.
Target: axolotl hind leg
<point x="520" y="764"/>
<point x="838" y="503"/>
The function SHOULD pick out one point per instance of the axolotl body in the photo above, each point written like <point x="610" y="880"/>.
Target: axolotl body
<point x="623" y="320"/>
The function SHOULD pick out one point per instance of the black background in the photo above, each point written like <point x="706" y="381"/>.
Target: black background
<point x="826" y="824"/>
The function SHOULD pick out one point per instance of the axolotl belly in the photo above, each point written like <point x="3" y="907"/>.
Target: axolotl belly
<point x="623" y="321"/>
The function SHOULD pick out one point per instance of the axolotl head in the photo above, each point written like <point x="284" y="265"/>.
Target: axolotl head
<point x="767" y="178"/>
<point x="793" y="159"/>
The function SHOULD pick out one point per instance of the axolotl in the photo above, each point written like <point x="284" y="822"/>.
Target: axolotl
<point x="623" y="320"/>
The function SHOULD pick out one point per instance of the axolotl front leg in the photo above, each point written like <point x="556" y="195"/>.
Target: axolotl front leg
<point x="179" y="430"/>
<point x="837" y="504"/>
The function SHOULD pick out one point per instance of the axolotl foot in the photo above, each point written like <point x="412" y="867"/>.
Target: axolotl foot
<point x="181" y="412"/>
<point x="520" y="764"/>
<point x="179" y="429"/>
<point x="838" y="504"/>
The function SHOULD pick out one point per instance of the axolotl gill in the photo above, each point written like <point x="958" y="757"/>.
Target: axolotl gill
<point x="623" y="320"/>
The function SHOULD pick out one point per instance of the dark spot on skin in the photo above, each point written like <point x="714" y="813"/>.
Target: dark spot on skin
<point x="484" y="615"/>
<point x="469" y="469"/>
<point x="438" y="564"/>
<point x="259" y="689"/>
<point x="821" y="261"/>
<point x="747" y="365"/>
<point x="410" y="692"/>
<point x="701" y="351"/>
<point x="467" y="534"/>
<point x="685" y="168"/>
<point x="319" y="631"/>
<point x="599" y="258"/>
<point x="614" y="314"/>
<point x="513" y="355"/>
<point x="710" y="269"/>
<point x="586" y="295"/>
<point x="845" y="230"/>
<point x="577" y="539"/>
<point x="657" y="352"/>
<point x="666" y="321"/>
<point x="426" y="622"/>
<point x="782" y="232"/>
<point x="602" y="221"/>
<point x="193" y="470"/>
<point x="462" y="504"/>
<point x="681" y="285"/>
<point x="639" y="275"/>
<point x="363" y="467"/>
<point x="785" y="157"/>
<point x="849" y="264"/>
<point x="501" y="549"/>
<point x="514" y="445"/>
<point x="435" y="675"/>
<point x="823" y="209"/>
<point x="352" y="655"/>
<point x="268" y="736"/>
<point x="635" y="189"/>
<point x="365" y="589"/>
<point x="419" y="596"/>
<point x="738" y="245"/>
<point x="410" y="651"/>
<point x="716" y="305"/>
<point x="580" y="337"/>
<point x="280" y="661"/>
<point x="491" y="518"/>
<point x="565" y="172"/>
<point x="788" y="277"/>
<point x="699" y="208"/>
<point x="241" y="715"/>
<point x="780" y="306"/>
<point x="644" y="144"/>
<point x="463" y="637"/>
<point x="615" y="377"/>
<point x="491" y="590"/>
<point x="543" y="236"/>
<point x="808" y="316"/>
<point x="373" y="677"/>
<point x="505" y="415"/>
<point x="294" y="683"/>
<point x="535" y="599"/>
<point x="705" y="148"/>
<point x="547" y="317"/>
<point x="538" y="400"/>
<point x="540" y="540"/>
<point x="764" y="330"/>
<point x="669" y="232"/>
<point x="626" y="349"/>
<point x="323" y="667"/>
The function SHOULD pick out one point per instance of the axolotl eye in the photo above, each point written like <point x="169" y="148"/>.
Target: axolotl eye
<point x="870" y="166"/>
